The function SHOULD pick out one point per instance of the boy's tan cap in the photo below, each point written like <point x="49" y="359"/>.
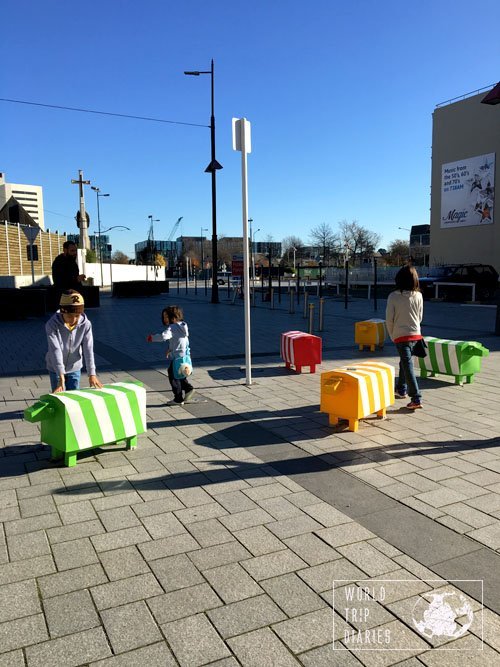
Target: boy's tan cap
<point x="71" y="299"/>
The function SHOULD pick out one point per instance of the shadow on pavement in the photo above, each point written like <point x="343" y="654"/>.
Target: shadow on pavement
<point x="291" y="460"/>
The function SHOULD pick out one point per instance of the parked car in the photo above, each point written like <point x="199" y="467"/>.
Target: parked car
<point x="223" y="277"/>
<point x="433" y="274"/>
<point x="483" y="276"/>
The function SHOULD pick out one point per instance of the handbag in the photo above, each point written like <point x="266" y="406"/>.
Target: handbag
<point x="420" y="348"/>
<point x="183" y="366"/>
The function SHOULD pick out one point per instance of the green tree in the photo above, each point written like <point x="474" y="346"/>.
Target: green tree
<point x="398" y="251"/>
<point x="91" y="257"/>
<point x="159" y="260"/>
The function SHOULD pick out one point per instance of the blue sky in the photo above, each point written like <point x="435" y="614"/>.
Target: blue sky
<point x="340" y="96"/>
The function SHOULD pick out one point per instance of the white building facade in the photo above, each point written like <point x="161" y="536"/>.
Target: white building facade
<point x="29" y="196"/>
<point x="465" y="147"/>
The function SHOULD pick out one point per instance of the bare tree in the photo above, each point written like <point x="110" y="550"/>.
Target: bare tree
<point x="324" y="236"/>
<point x="120" y="257"/>
<point x="357" y="242"/>
<point x="192" y="249"/>
<point x="292" y="245"/>
<point x="290" y="242"/>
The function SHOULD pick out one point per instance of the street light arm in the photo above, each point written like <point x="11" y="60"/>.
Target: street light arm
<point x="103" y="231"/>
<point x="212" y="170"/>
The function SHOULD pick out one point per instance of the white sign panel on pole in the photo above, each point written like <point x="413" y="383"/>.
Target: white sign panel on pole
<point x="30" y="232"/>
<point x="242" y="143"/>
<point x="238" y="140"/>
<point x="468" y="192"/>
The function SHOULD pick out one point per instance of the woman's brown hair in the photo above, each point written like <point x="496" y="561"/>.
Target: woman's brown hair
<point x="171" y="314"/>
<point x="407" y="279"/>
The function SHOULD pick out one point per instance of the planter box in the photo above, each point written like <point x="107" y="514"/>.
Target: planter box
<point x="34" y="301"/>
<point x="17" y="303"/>
<point x="139" y="288"/>
<point x="91" y="296"/>
<point x="11" y="306"/>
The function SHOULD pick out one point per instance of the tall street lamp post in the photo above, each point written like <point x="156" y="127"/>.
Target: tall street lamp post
<point x="212" y="169"/>
<point x="250" y="222"/>
<point x="99" y="195"/>
<point x="410" y="259"/>
<point x="110" y="262"/>
<point x="151" y="246"/>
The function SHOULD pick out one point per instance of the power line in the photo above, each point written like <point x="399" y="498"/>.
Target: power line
<point x="62" y="215"/>
<point x="101" y="113"/>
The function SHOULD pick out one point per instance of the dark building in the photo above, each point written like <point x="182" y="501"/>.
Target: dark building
<point x="420" y="244"/>
<point x="106" y="247"/>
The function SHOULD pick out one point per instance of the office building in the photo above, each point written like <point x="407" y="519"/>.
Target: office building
<point x="420" y="244"/>
<point x="465" y="142"/>
<point x="95" y="243"/>
<point x="29" y="196"/>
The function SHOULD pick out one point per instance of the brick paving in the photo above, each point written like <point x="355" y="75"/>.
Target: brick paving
<point x="194" y="549"/>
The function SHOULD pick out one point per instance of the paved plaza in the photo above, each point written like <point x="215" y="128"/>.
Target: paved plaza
<point x="242" y="518"/>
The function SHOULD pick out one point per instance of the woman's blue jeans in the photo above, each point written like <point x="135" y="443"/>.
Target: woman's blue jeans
<point x="71" y="380"/>
<point x="407" y="381"/>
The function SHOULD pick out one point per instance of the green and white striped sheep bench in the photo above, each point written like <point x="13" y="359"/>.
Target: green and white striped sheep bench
<point x="76" y="421"/>
<point x="459" y="358"/>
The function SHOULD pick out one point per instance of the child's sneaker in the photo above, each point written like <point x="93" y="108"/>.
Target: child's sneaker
<point x="414" y="405"/>
<point x="189" y="395"/>
<point x="398" y="394"/>
<point x="171" y="403"/>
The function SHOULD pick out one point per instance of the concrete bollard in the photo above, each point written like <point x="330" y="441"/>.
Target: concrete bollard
<point x="311" y="317"/>
<point x="321" y="308"/>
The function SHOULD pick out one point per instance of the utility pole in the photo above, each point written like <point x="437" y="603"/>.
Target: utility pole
<point x="212" y="169"/>
<point x="81" y="216"/>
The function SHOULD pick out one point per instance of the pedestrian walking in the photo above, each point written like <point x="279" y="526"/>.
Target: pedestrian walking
<point x="70" y="342"/>
<point x="404" y="313"/>
<point x="65" y="272"/>
<point x="180" y="367"/>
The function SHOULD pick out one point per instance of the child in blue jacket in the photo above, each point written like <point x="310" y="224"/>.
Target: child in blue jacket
<point x="177" y="336"/>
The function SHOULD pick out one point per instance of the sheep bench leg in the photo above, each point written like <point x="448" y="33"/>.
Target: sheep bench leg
<point x="131" y="442"/>
<point x="70" y="459"/>
<point x="353" y="425"/>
